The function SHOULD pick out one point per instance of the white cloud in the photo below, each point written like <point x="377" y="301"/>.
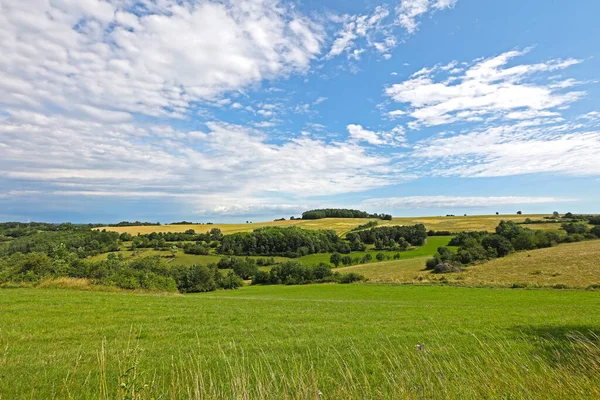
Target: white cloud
<point x="201" y="167"/>
<point x="395" y="137"/>
<point x="411" y="202"/>
<point x="158" y="60"/>
<point x="513" y="150"/>
<point x="487" y="89"/>
<point x="378" y="29"/>
<point x="408" y="11"/>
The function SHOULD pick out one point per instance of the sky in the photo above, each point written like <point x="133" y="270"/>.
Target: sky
<point x="228" y="111"/>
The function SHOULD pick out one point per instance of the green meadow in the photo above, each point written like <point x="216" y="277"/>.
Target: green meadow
<point x="294" y="342"/>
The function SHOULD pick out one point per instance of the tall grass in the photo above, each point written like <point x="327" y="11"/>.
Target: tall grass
<point x="556" y="368"/>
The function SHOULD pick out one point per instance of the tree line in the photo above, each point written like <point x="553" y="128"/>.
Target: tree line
<point x="342" y="213"/>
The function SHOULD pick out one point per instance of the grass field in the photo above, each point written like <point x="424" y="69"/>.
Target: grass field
<point x="575" y="265"/>
<point x="289" y="342"/>
<point x="344" y="225"/>
<point x="428" y="249"/>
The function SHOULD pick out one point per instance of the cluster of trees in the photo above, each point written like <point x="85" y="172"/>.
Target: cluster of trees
<point x="295" y="273"/>
<point x="509" y="237"/>
<point x="287" y="242"/>
<point x="439" y="233"/>
<point x="148" y="273"/>
<point x="394" y="237"/>
<point x="336" y="258"/>
<point x="81" y="242"/>
<point x="136" y="223"/>
<point x="370" y="224"/>
<point x="164" y="240"/>
<point x="342" y="213"/>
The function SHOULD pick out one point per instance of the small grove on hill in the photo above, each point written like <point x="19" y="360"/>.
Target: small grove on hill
<point x="509" y="237"/>
<point x="342" y="213"/>
<point x="296" y="242"/>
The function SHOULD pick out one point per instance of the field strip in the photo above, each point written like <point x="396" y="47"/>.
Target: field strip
<point x="407" y="303"/>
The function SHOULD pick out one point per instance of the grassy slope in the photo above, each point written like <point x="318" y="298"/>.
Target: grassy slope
<point x="575" y="265"/>
<point x="278" y="342"/>
<point x="343" y="225"/>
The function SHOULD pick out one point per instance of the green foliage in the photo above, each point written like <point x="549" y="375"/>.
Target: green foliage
<point x="295" y="273"/>
<point x="81" y="242"/>
<point x="368" y="225"/>
<point x="287" y="242"/>
<point x="194" y="248"/>
<point x="342" y="213"/>
<point x="394" y="236"/>
<point x="575" y="227"/>
<point x="336" y="259"/>
<point x="462" y="237"/>
<point x="500" y="244"/>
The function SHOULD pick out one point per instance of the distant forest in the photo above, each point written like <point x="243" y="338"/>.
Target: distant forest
<point x="342" y="213"/>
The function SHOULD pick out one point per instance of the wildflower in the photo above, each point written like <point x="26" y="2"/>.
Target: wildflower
<point x="419" y="347"/>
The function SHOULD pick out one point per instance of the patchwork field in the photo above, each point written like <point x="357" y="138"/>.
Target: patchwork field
<point x="574" y="265"/>
<point x="293" y="342"/>
<point x="343" y="225"/>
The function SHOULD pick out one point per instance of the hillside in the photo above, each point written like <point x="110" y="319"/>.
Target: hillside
<point x="343" y="225"/>
<point x="574" y="265"/>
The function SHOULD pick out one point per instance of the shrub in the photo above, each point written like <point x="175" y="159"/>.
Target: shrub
<point x="350" y="278"/>
<point x="380" y="256"/>
<point x="230" y="281"/>
<point x="575" y="227"/>
<point x="347" y="260"/>
<point x="446" y="268"/>
<point x="560" y="286"/>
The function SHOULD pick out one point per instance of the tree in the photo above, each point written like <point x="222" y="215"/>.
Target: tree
<point x="524" y="241"/>
<point x="347" y="260"/>
<point x="519" y="213"/>
<point x="216" y="234"/>
<point x="497" y="213"/>
<point x="335" y="259"/>
<point x="500" y="244"/>
<point x="596" y="230"/>
<point x="555" y="214"/>
<point x="380" y="256"/>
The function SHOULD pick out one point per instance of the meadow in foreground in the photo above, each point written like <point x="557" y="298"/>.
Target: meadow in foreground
<point x="294" y="342"/>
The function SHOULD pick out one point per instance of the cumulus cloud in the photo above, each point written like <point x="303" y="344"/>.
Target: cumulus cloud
<point x="395" y="137"/>
<point x="396" y="203"/>
<point x="155" y="58"/>
<point x="486" y="89"/>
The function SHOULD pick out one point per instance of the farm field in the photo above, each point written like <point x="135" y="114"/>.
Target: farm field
<point x="344" y="225"/>
<point x="291" y="342"/>
<point x="574" y="265"/>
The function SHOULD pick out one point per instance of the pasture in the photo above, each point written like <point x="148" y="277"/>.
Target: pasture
<point x="344" y="225"/>
<point x="573" y="265"/>
<point x="293" y="342"/>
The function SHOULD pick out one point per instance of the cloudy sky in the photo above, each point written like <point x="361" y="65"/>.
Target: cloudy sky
<point x="231" y="110"/>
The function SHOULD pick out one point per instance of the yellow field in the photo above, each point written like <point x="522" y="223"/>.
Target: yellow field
<point x="343" y="225"/>
<point x="576" y="265"/>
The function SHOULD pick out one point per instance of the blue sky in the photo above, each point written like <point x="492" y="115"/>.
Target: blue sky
<point x="249" y="110"/>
